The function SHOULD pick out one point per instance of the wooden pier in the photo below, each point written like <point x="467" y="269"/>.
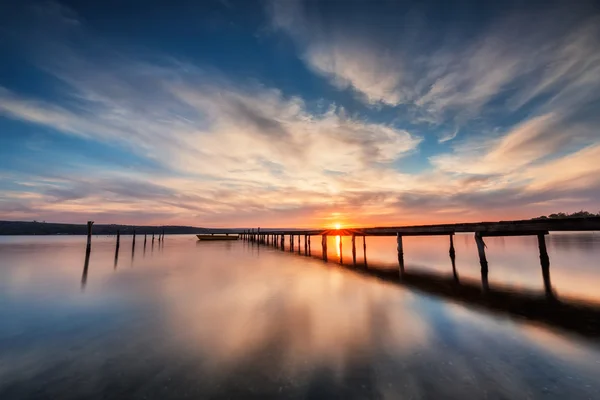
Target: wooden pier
<point x="539" y="228"/>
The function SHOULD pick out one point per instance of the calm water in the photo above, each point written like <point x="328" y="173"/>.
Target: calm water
<point x="230" y="320"/>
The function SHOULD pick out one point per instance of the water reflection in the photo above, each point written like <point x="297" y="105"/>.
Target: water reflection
<point x="220" y="320"/>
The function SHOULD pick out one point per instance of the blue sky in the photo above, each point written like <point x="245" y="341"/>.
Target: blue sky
<point x="304" y="113"/>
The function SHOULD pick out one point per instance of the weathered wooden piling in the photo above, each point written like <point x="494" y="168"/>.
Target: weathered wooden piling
<point x="305" y="245"/>
<point x="145" y="238"/>
<point x="453" y="258"/>
<point x="117" y="248"/>
<point x="291" y="243"/>
<point x="545" y="262"/>
<point x="341" y="253"/>
<point x="309" y="245"/>
<point x="482" y="260"/>
<point x="299" y="247"/>
<point x="88" y="246"/>
<point x="365" y="250"/>
<point x="133" y="242"/>
<point x="400" y="250"/>
<point x="481" y="250"/>
<point x="354" y="250"/>
<point x="282" y="245"/>
<point x="324" y="246"/>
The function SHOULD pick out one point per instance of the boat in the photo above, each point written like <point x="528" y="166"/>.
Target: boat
<point x="212" y="236"/>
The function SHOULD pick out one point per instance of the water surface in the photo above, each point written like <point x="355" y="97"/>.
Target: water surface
<point x="184" y="319"/>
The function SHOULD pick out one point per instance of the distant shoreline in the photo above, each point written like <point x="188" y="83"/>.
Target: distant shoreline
<point x="14" y="228"/>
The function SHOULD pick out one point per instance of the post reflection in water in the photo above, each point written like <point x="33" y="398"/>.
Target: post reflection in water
<point x="269" y="324"/>
<point x="86" y="264"/>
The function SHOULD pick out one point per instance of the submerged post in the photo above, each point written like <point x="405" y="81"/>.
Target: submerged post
<point x="305" y="244"/>
<point x="291" y="243"/>
<point x="117" y="248"/>
<point x="145" y="238"/>
<point x="299" y="247"/>
<point x="309" y="245"/>
<point x="282" y="244"/>
<point x="88" y="246"/>
<point x="453" y="257"/>
<point x="400" y="250"/>
<point x="324" y="245"/>
<point x="365" y="250"/>
<point x="341" y="253"/>
<point x="133" y="243"/>
<point x="545" y="262"/>
<point x="354" y="250"/>
<point x="482" y="259"/>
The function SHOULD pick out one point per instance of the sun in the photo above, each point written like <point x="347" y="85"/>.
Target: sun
<point x="338" y="226"/>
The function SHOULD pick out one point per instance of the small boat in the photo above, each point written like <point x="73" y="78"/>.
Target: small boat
<point x="212" y="236"/>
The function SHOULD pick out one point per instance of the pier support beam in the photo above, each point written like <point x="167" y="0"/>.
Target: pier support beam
<point x="545" y="262"/>
<point x="365" y="250"/>
<point x="324" y="246"/>
<point x="88" y="246"/>
<point x="299" y="247"/>
<point x="305" y="244"/>
<point x="133" y="242"/>
<point x="282" y="246"/>
<point x="291" y="243"/>
<point x="453" y="258"/>
<point x="482" y="260"/>
<point x="117" y="248"/>
<point x="309" y="245"/>
<point x="341" y="253"/>
<point x="400" y="250"/>
<point x="354" y="250"/>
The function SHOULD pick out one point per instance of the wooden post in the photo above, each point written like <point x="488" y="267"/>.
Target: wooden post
<point x="88" y="246"/>
<point x="354" y="250"/>
<point x="258" y="235"/>
<point x="117" y="248"/>
<point x="482" y="260"/>
<point x="291" y="243"/>
<point x="545" y="262"/>
<point x="282" y="245"/>
<point x="324" y="245"/>
<point x="133" y="243"/>
<point x="305" y="244"/>
<point x="365" y="250"/>
<point x="341" y="253"/>
<point x="153" y="239"/>
<point x="299" y="247"/>
<point x="145" y="238"/>
<point x="453" y="257"/>
<point x="309" y="245"/>
<point x="400" y="250"/>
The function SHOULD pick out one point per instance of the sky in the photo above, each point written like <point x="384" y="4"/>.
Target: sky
<point x="298" y="113"/>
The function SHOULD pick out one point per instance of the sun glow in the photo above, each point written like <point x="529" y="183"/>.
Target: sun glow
<point x="338" y="226"/>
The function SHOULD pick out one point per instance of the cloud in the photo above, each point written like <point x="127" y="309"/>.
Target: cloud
<point x="448" y="136"/>
<point x="451" y="71"/>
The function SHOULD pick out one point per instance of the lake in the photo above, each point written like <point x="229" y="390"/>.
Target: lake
<point x="188" y="319"/>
